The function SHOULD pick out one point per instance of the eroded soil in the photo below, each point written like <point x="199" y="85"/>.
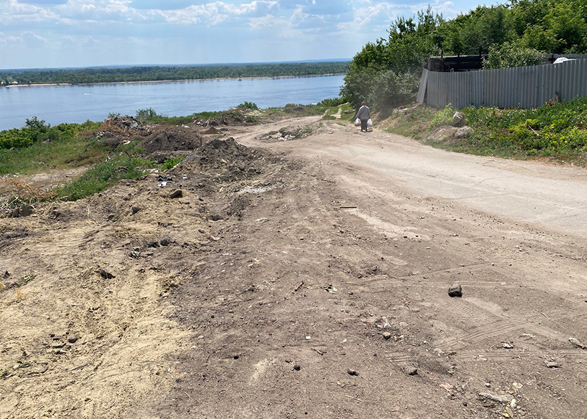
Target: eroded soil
<point x="301" y="278"/>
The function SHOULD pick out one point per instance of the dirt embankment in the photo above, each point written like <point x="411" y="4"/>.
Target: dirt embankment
<point x="292" y="283"/>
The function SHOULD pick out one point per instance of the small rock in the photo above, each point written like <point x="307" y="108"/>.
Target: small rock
<point x="297" y="367"/>
<point x="577" y="343"/>
<point x="507" y="345"/>
<point x="455" y="291"/>
<point x="178" y="193"/>
<point x="105" y="274"/>
<point x="458" y="119"/>
<point x="6" y="275"/>
<point x="22" y="211"/>
<point x="553" y="364"/>
<point x="387" y="335"/>
<point x="72" y="339"/>
<point x="409" y="370"/>
<point x="352" y="372"/>
<point x="500" y="398"/>
<point x="463" y="132"/>
<point x="135" y="210"/>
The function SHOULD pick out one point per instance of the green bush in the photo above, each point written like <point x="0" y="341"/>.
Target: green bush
<point x="248" y="105"/>
<point x="443" y="117"/>
<point x="171" y="162"/>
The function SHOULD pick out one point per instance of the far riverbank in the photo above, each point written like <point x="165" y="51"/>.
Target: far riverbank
<point x="169" y="81"/>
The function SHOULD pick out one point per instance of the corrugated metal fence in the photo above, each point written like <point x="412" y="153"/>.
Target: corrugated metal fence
<point x="527" y="87"/>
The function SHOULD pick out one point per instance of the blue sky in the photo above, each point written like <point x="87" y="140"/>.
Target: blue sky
<point x="81" y="33"/>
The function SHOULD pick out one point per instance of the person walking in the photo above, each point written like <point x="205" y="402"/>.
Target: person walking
<point x="364" y="114"/>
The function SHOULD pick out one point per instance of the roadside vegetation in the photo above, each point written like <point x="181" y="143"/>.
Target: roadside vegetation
<point x="557" y="130"/>
<point x="157" y="73"/>
<point x="386" y="72"/>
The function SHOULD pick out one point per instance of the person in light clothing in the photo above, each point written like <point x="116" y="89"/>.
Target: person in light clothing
<point x="364" y="114"/>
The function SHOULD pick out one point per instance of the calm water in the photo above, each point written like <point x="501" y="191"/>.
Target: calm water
<point x="58" y="104"/>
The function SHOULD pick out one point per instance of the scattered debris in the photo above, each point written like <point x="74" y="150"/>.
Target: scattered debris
<point x="500" y="398"/>
<point x="352" y="372"/>
<point x="386" y="335"/>
<point x="330" y="288"/>
<point x="553" y="364"/>
<point x="300" y="285"/>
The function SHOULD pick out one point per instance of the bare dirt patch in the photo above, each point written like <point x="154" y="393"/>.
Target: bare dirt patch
<point x="310" y="280"/>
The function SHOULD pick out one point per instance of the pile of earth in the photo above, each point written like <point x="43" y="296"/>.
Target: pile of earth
<point x="119" y="129"/>
<point x="230" y="117"/>
<point x="225" y="159"/>
<point x="169" y="141"/>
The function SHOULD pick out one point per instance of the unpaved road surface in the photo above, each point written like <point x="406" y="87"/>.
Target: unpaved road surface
<point x="303" y="278"/>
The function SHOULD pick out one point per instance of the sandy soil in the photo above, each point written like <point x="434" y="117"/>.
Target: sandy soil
<point x="303" y="278"/>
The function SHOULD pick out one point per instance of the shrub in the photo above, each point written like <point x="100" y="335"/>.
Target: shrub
<point x="146" y="114"/>
<point x="509" y="54"/>
<point x="248" y="105"/>
<point x="443" y="117"/>
<point x="171" y="162"/>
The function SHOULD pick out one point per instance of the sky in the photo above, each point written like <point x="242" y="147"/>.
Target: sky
<point x="84" y="33"/>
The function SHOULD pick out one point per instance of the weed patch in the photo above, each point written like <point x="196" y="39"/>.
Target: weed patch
<point x="171" y="162"/>
<point x="552" y="130"/>
<point x="103" y="176"/>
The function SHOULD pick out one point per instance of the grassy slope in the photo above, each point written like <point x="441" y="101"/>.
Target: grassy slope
<point x="553" y="130"/>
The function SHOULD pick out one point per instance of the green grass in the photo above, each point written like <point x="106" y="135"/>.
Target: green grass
<point x="553" y="130"/>
<point x="40" y="157"/>
<point x="102" y="176"/>
<point x="171" y="162"/>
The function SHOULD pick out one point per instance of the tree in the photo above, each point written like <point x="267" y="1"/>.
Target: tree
<point x="511" y="55"/>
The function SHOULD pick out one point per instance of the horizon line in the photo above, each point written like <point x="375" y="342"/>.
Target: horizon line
<point x="113" y="66"/>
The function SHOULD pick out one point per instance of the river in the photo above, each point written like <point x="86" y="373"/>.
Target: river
<point x="58" y="104"/>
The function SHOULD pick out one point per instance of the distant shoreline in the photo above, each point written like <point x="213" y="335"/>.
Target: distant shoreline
<point x="170" y="81"/>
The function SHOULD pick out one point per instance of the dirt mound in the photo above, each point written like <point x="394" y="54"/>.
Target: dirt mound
<point x="219" y="153"/>
<point x="168" y="140"/>
<point x="116" y="130"/>
<point x="230" y="117"/>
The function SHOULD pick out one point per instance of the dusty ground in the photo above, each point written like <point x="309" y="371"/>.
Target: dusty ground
<point x="302" y="278"/>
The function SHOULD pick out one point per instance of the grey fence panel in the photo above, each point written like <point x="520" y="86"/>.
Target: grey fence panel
<point x="422" y="90"/>
<point x="526" y="87"/>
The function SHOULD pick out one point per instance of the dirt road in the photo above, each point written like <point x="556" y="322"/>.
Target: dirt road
<point x="307" y="279"/>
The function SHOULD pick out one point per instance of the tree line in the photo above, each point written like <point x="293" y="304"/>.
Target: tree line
<point x="386" y="72"/>
<point x="158" y="73"/>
